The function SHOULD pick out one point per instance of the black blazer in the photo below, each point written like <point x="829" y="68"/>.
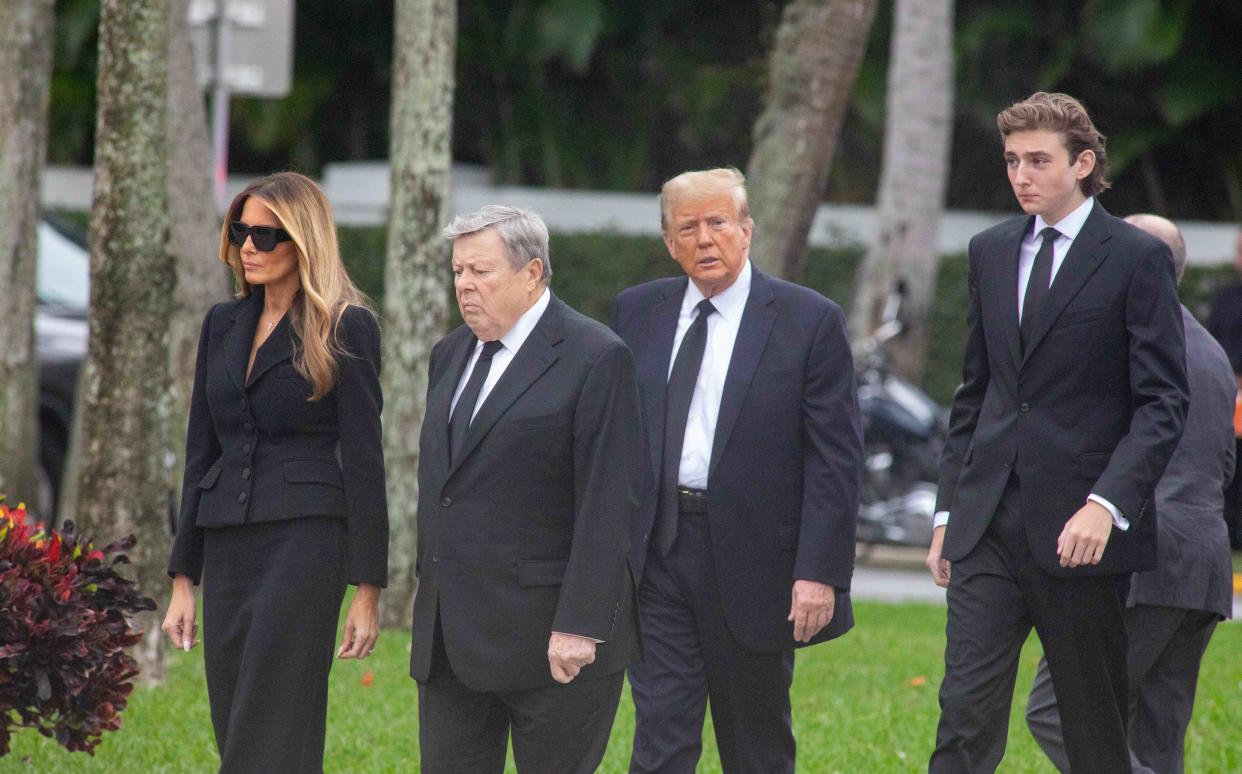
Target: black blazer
<point x="786" y="461"/>
<point x="260" y="451"/>
<point x="527" y="530"/>
<point x="1096" y="404"/>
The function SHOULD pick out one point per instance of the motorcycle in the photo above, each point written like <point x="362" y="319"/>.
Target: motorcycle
<point x="903" y="434"/>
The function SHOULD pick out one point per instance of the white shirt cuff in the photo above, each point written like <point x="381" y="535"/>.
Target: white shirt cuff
<point x="1121" y="522"/>
<point x="940" y="519"/>
<point x="581" y="637"/>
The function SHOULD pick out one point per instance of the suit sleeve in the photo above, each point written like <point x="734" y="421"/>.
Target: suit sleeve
<point x="359" y="403"/>
<point x="608" y="476"/>
<point x="202" y="449"/>
<point x="968" y="398"/>
<point x="832" y="458"/>
<point x="1158" y="389"/>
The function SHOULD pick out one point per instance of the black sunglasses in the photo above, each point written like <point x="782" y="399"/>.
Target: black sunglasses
<point x="265" y="237"/>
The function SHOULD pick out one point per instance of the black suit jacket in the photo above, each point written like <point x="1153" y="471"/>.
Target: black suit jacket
<point x="526" y="531"/>
<point x="1095" y="404"/>
<point x="260" y="451"/>
<point x="786" y="460"/>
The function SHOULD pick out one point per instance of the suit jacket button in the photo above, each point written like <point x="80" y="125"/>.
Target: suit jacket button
<point x="645" y="537"/>
<point x="245" y="474"/>
<point x="246" y="449"/>
<point x="446" y="502"/>
<point x="249" y="427"/>
<point x="1025" y="407"/>
<point x="241" y="498"/>
<point x="435" y="557"/>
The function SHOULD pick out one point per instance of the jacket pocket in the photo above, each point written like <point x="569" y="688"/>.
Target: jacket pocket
<point x="541" y="572"/>
<point x="209" y="480"/>
<point x="313" y="472"/>
<point x="525" y="424"/>
<point x="1091" y="465"/>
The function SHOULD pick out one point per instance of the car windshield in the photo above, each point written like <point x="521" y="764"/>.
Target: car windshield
<point x="63" y="276"/>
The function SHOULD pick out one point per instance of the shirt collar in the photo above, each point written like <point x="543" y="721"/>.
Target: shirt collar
<point x="729" y="302"/>
<point x="1071" y="224"/>
<point x="517" y="335"/>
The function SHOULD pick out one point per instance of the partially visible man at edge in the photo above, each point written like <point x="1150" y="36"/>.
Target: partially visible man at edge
<point x="1072" y="401"/>
<point x="1172" y="610"/>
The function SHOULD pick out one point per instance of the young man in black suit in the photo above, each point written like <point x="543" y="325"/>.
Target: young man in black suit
<point x="1072" y="401"/>
<point x="755" y="458"/>
<point x="529" y="480"/>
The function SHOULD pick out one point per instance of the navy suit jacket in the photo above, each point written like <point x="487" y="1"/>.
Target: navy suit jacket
<point x="786" y="460"/>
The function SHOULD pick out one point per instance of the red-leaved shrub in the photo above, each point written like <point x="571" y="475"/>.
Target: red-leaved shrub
<point x="66" y="619"/>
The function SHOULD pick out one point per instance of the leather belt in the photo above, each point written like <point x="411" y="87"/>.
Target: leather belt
<point x="691" y="500"/>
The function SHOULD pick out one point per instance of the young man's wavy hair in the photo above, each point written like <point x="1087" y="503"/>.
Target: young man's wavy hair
<point x="303" y="210"/>
<point x="1063" y="114"/>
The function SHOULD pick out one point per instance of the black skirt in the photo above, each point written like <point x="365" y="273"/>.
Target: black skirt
<point x="272" y="595"/>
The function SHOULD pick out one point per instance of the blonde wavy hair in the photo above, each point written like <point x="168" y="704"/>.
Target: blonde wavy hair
<point x="327" y="291"/>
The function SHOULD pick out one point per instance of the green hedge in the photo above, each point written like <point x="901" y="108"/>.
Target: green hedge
<point x="589" y="269"/>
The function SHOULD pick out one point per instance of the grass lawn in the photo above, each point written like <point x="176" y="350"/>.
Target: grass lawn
<point x="866" y="703"/>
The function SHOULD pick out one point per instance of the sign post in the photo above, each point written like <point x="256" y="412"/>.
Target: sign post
<point x="242" y="47"/>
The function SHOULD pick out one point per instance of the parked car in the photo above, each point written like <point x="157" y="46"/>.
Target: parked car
<point x="62" y="290"/>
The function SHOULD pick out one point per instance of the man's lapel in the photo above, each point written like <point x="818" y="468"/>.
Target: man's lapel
<point x="440" y="399"/>
<point x="752" y="337"/>
<point x="1012" y="245"/>
<point x="536" y="355"/>
<point x="653" y="371"/>
<point x="1086" y="254"/>
<point x="239" y="337"/>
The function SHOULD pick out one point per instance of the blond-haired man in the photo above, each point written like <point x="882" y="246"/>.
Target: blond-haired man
<point x="755" y="448"/>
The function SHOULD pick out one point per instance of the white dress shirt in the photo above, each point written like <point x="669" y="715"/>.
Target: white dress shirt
<point x="510" y="343"/>
<point x="1069" y="226"/>
<point x="722" y="327"/>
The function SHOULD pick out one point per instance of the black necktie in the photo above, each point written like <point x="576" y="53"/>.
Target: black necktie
<point x="459" y="423"/>
<point x="1037" y="285"/>
<point x="676" y="411"/>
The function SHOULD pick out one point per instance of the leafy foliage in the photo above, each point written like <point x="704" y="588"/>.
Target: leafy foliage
<point x="67" y="623"/>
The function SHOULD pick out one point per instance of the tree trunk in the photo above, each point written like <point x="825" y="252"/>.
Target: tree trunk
<point x="25" y="75"/>
<point x="416" y="295"/>
<point x="918" y="127"/>
<point x="122" y="416"/>
<point x="812" y="69"/>
<point x="202" y="279"/>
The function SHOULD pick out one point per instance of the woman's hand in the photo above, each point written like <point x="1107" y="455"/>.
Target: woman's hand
<point x="179" y="620"/>
<point x="361" y="623"/>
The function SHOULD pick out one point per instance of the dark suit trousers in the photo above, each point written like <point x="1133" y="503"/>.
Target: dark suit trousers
<point x="272" y="596"/>
<point x="1166" y="645"/>
<point x="689" y="658"/>
<point x="996" y="594"/>
<point x="561" y="728"/>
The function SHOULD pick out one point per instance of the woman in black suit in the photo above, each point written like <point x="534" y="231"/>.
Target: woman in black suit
<point x="284" y="501"/>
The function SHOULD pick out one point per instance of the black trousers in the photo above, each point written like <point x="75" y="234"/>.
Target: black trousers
<point x="560" y="728"/>
<point x="1166" y="646"/>
<point x="272" y="595"/>
<point x="996" y="594"/>
<point x="690" y="660"/>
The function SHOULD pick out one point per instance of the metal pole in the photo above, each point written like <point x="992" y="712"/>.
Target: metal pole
<point x="220" y="106"/>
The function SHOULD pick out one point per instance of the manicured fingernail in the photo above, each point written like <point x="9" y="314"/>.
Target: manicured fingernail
<point x="186" y="645"/>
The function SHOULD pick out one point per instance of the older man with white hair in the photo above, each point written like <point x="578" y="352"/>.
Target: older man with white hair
<point x="529" y="479"/>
